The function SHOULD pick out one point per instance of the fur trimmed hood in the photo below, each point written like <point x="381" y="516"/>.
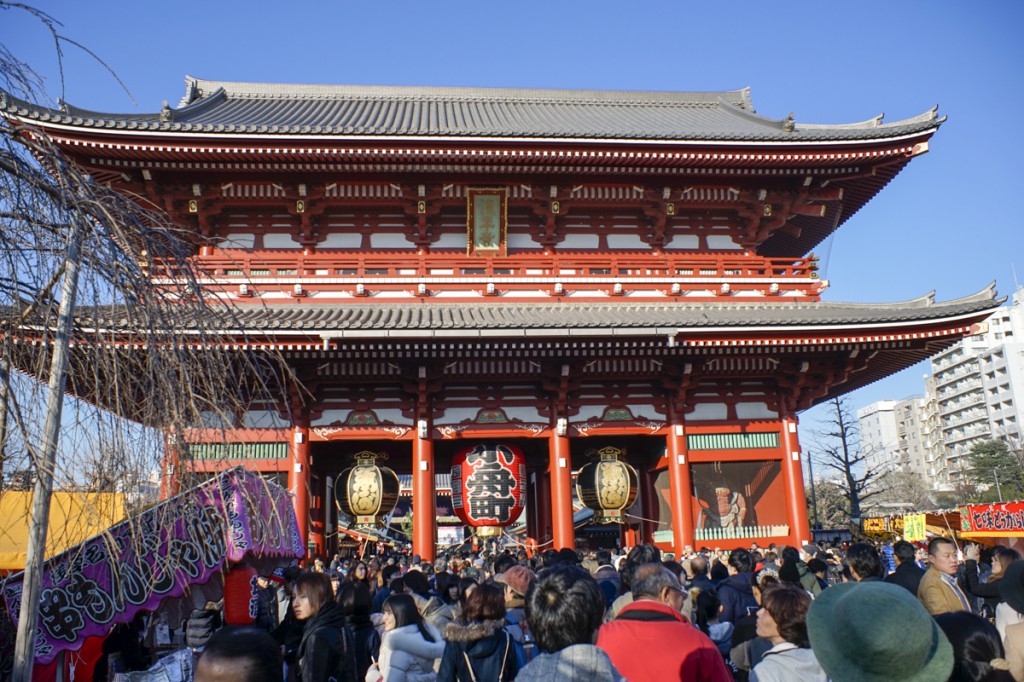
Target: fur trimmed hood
<point x="472" y="632"/>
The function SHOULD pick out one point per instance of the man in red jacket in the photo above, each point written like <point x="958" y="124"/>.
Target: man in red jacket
<point x="650" y="640"/>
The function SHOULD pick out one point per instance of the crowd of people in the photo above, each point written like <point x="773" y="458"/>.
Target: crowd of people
<point x="860" y="612"/>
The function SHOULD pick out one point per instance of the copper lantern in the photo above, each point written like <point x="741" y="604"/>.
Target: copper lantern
<point x="489" y="487"/>
<point x="366" y="491"/>
<point x="607" y="485"/>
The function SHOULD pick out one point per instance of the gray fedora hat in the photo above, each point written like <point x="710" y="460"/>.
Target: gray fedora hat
<point x="877" y="632"/>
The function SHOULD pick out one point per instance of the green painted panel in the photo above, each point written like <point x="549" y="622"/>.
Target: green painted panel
<point x="732" y="441"/>
<point x="239" y="451"/>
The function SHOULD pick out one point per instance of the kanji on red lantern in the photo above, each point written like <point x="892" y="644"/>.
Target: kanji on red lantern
<point x="489" y="486"/>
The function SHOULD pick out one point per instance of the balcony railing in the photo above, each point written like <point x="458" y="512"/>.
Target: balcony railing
<point x="359" y="273"/>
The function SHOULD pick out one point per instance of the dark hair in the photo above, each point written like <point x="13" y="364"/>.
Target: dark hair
<point x="904" y="551"/>
<point x="443" y="582"/>
<point x="564" y="606"/>
<point x="933" y="544"/>
<point x="787" y="604"/>
<point x="719" y="571"/>
<point x="248" y="651"/>
<point x="388" y="573"/>
<point x="404" y="609"/>
<point x="397" y="585"/>
<point x="741" y="560"/>
<point x="676" y="568"/>
<point x="1007" y="555"/>
<point x="818" y="566"/>
<point x="603" y="557"/>
<point x="316" y="587"/>
<point x="863" y="558"/>
<point x="638" y="556"/>
<point x="355" y="600"/>
<point x="790" y="554"/>
<point x="486" y="602"/>
<point x="568" y="555"/>
<point x="504" y="562"/>
<point x="706" y="606"/>
<point x="418" y="583"/>
<point x="976" y="644"/>
<point x="465" y="584"/>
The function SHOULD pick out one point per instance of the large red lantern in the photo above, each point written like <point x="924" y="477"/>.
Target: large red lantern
<point x="489" y="486"/>
<point x="241" y="596"/>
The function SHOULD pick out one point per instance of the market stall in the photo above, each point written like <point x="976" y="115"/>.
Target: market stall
<point x="164" y="561"/>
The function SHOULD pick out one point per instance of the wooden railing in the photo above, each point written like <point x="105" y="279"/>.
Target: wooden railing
<point x="616" y="273"/>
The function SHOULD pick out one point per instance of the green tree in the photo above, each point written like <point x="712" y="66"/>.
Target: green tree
<point x="996" y="469"/>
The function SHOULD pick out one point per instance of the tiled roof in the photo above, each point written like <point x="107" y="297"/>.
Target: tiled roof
<point x="383" y="111"/>
<point x="439" y="320"/>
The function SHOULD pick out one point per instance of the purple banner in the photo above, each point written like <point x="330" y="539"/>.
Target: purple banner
<point x="157" y="555"/>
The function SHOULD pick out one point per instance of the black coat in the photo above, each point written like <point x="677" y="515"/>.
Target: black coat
<point x="989" y="591"/>
<point x="907" y="575"/>
<point x="488" y="647"/>
<point x="326" y="652"/>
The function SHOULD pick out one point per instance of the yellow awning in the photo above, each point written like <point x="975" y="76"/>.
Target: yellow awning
<point x="74" y="517"/>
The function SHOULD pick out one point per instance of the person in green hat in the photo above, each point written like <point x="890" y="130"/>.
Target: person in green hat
<point x="877" y="632"/>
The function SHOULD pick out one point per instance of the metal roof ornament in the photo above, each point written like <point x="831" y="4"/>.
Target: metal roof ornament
<point x="166" y="115"/>
<point x="789" y="124"/>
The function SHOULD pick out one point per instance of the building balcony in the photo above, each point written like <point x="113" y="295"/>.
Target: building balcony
<point x="342" y="273"/>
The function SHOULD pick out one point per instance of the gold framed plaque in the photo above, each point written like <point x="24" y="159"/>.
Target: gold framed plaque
<point x="486" y="221"/>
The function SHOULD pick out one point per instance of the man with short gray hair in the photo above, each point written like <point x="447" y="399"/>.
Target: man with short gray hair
<point x="672" y="648"/>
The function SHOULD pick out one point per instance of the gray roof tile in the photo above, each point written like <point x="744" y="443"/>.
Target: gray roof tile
<point x="425" y="320"/>
<point x="385" y="111"/>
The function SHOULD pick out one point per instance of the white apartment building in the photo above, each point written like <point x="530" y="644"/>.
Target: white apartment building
<point x="975" y="393"/>
<point x="879" y="440"/>
<point x="979" y="386"/>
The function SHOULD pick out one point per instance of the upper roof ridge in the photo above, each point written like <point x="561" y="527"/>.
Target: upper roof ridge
<point x="197" y="88"/>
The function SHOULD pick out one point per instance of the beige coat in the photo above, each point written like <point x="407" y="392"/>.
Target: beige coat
<point x="1014" y="643"/>
<point x="936" y="595"/>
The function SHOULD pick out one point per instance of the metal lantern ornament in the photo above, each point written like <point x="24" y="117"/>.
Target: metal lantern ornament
<point x="607" y="485"/>
<point x="366" y="491"/>
<point x="489" y="487"/>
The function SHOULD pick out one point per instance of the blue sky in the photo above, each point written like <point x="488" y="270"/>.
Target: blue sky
<point x="950" y="222"/>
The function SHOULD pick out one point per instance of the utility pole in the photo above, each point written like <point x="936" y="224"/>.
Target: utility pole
<point x="999" y="492"/>
<point x="814" y="495"/>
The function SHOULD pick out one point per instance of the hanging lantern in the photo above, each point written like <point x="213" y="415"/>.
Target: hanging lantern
<point x="607" y="485"/>
<point x="489" y="486"/>
<point x="241" y="596"/>
<point x="366" y="491"/>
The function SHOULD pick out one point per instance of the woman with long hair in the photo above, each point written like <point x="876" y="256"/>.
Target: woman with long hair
<point x="978" y="654"/>
<point x="325" y="650"/>
<point x="360" y="573"/>
<point x="782" y="619"/>
<point x="410" y="645"/>
<point x="479" y="649"/>
<point x="988" y="589"/>
<point x="355" y="600"/>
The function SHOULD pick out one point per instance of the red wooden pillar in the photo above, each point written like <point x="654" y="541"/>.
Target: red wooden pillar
<point x="648" y="505"/>
<point x="170" y="476"/>
<point x="299" y="481"/>
<point x="679" y="481"/>
<point x="793" y="473"/>
<point x="543" y="508"/>
<point x="560" y="469"/>
<point x="424" y="507"/>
